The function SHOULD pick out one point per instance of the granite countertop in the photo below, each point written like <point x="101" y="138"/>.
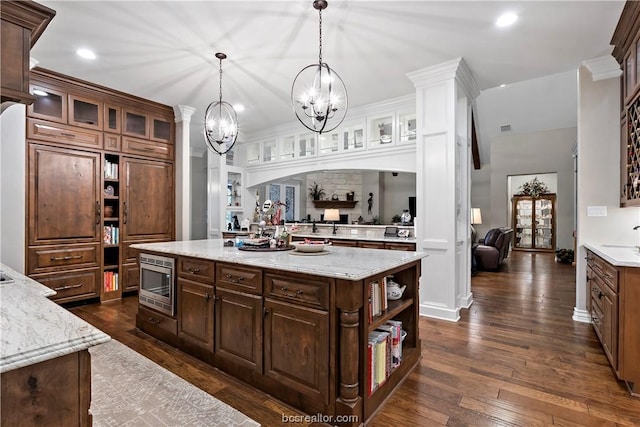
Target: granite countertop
<point x="338" y="262"/>
<point x="331" y="236"/>
<point x="34" y="329"/>
<point x="618" y="255"/>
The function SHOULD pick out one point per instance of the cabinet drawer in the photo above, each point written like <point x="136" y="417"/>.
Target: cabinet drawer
<point x="112" y="142"/>
<point x="239" y="278"/>
<point x="61" y="134"/>
<point x="596" y="319"/>
<point x="299" y="290"/>
<point x="198" y="270"/>
<point x="152" y="320"/>
<point x="596" y="293"/>
<point x="71" y="285"/>
<point x="51" y="258"/>
<point x="610" y="276"/>
<point x="400" y="246"/>
<point x="142" y="147"/>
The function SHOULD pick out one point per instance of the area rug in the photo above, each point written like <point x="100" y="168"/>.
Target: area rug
<point x="128" y="389"/>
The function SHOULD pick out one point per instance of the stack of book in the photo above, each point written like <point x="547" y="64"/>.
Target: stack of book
<point x="111" y="235"/>
<point x="384" y="353"/>
<point x="377" y="297"/>
<point x="110" y="281"/>
<point x="110" y="170"/>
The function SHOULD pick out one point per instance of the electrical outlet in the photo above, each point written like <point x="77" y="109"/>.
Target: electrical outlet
<point x="596" y="211"/>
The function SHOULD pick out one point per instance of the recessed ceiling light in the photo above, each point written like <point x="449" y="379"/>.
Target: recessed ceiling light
<point x="502" y="85"/>
<point x="239" y="108"/>
<point x="86" y="54"/>
<point x="40" y="92"/>
<point x="507" y="19"/>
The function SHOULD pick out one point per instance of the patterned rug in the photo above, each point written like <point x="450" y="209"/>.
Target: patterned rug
<point x="127" y="389"/>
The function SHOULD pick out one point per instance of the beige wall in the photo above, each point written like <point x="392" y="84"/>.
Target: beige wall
<point x="598" y="172"/>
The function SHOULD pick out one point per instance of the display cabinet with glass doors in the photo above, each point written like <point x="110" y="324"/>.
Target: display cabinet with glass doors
<point x="534" y="222"/>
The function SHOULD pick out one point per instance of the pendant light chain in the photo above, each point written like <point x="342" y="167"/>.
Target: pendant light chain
<point x="220" y="79"/>
<point x="320" y="50"/>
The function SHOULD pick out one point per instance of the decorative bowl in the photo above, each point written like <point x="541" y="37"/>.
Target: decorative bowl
<point x="309" y="247"/>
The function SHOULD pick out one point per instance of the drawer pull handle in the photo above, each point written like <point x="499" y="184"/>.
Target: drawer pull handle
<point x="299" y="292"/>
<point x="154" y="321"/>
<point x="65" y="258"/>
<point x="193" y="270"/>
<point x="233" y="279"/>
<point x="284" y="288"/>
<point x="600" y="294"/>
<point x="207" y="296"/>
<point x="64" y="288"/>
<point x="70" y="135"/>
<point x="146" y="149"/>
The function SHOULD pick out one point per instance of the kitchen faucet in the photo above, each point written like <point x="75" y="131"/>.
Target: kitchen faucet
<point x="315" y="227"/>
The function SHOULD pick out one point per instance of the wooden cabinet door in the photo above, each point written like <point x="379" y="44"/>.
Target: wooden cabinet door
<point x="64" y="195"/>
<point x="296" y="349"/>
<point x="238" y="329"/>
<point x="195" y="313"/>
<point x="147" y="207"/>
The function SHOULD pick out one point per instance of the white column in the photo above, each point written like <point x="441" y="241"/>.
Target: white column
<point x="444" y="94"/>
<point x="183" y="115"/>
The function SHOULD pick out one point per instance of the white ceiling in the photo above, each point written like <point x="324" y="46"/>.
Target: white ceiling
<point x="164" y="50"/>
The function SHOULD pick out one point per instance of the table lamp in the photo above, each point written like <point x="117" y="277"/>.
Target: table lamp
<point x="332" y="215"/>
<point x="476" y="218"/>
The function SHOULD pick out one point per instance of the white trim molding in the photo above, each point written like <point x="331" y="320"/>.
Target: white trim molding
<point x="603" y="67"/>
<point x="581" y="315"/>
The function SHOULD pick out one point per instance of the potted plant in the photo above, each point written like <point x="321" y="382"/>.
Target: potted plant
<point x="316" y="192"/>
<point x="396" y="219"/>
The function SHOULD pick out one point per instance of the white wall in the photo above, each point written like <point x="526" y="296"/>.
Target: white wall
<point x="598" y="175"/>
<point x="199" y="197"/>
<point x="394" y="193"/>
<point x="531" y="153"/>
<point x="12" y="187"/>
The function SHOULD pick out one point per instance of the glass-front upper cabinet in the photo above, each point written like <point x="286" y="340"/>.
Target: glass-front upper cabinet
<point x="161" y="129"/>
<point x="307" y="144"/>
<point x="112" y="118"/>
<point x="380" y="130"/>
<point x="353" y="137"/>
<point x="544" y="223"/>
<point x="407" y="127"/>
<point x="85" y="112"/>
<point x="269" y="151"/>
<point x="136" y="124"/>
<point x="287" y="147"/>
<point x="253" y="153"/>
<point x="329" y="142"/>
<point x="49" y="104"/>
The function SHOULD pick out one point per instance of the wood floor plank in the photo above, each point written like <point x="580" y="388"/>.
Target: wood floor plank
<point x="516" y="357"/>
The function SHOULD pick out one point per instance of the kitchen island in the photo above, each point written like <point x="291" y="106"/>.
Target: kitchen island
<point x="44" y="358"/>
<point x="294" y="325"/>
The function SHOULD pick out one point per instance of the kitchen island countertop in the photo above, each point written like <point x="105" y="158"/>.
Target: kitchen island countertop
<point x="34" y="329"/>
<point x="338" y="262"/>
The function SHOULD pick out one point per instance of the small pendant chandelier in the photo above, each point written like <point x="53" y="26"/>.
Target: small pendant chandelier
<point x="220" y="121"/>
<point x="318" y="94"/>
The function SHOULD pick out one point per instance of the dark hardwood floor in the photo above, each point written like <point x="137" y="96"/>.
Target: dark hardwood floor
<point x="515" y="358"/>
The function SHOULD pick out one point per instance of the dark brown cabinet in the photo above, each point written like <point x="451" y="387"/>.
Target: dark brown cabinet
<point x="195" y="313"/>
<point x="147" y="206"/>
<point x="21" y="24"/>
<point x="296" y="354"/>
<point x="238" y="330"/>
<point x="63" y="195"/>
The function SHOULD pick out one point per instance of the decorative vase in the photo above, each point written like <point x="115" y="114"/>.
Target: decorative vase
<point x="108" y="211"/>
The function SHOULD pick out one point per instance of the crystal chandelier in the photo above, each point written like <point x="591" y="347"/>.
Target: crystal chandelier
<point x="220" y="121"/>
<point x="318" y="94"/>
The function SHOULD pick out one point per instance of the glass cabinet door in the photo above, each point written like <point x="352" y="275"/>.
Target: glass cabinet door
<point x="328" y="142"/>
<point x="307" y="144"/>
<point x="524" y="224"/>
<point x="287" y="147"/>
<point x="380" y="131"/>
<point x="353" y="137"/>
<point x="544" y="223"/>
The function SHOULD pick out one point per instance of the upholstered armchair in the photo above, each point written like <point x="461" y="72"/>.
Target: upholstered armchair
<point x="494" y="248"/>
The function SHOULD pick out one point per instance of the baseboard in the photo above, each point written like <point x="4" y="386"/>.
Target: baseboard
<point x="438" y="311"/>
<point x="581" y="316"/>
<point x="466" y="301"/>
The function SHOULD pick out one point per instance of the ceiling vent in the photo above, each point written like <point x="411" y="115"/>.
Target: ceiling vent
<point x="505" y="128"/>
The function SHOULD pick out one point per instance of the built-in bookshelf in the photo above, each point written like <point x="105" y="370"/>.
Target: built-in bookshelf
<point x="111" y="288"/>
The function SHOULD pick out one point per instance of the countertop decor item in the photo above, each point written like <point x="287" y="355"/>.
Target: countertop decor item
<point x="220" y="121"/>
<point x="318" y="94"/>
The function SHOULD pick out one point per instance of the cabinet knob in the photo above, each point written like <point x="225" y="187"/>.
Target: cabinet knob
<point x="265" y="311"/>
<point x="207" y="296"/>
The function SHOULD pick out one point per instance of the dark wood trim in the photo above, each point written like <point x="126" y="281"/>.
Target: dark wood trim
<point x="27" y="14"/>
<point x="347" y="204"/>
<point x="475" y="150"/>
<point x="626" y="30"/>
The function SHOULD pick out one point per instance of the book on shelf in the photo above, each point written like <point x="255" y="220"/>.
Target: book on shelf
<point x="396" y="342"/>
<point x="110" y="170"/>
<point x="111" y="235"/>
<point x="110" y="281"/>
<point x="377" y="363"/>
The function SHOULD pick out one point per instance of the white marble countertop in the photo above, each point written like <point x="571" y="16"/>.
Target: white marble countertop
<point x="34" y="329"/>
<point x="330" y="236"/>
<point x="618" y="255"/>
<point x="338" y="262"/>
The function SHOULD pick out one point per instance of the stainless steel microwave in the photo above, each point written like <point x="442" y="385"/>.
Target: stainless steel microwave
<point x="157" y="283"/>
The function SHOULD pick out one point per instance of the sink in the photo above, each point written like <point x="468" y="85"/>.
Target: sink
<point x="5" y="278"/>
<point x="620" y="246"/>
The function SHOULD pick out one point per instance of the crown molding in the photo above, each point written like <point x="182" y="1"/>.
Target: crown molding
<point x="603" y="67"/>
